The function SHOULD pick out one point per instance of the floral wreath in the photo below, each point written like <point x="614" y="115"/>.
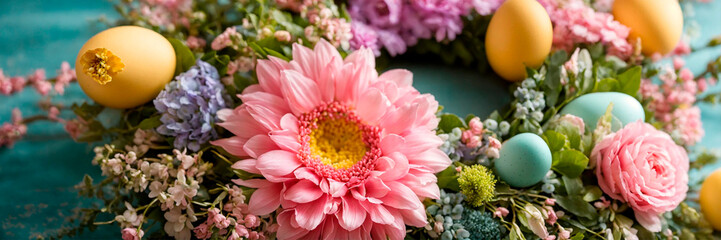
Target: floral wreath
<point x="277" y="124"/>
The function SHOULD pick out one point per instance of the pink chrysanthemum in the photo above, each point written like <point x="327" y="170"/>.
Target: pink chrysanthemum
<point x="347" y="154"/>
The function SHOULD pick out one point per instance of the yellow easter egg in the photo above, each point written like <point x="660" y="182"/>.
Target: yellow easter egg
<point x="520" y="34"/>
<point x="710" y="199"/>
<point x="125" y="67"/>
<point x="658" y="23"/>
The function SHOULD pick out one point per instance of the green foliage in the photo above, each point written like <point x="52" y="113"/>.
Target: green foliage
<point x="448" y="179"/>
<point x="184" y="58"/>
<point x="449" y="122"/>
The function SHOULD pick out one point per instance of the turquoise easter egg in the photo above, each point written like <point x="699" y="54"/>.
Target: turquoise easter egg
<point x="524" y="160"/>
<point x="592" y="106"/>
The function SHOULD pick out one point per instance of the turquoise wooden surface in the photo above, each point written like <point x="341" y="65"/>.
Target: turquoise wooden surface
<point x="37" y="175"/>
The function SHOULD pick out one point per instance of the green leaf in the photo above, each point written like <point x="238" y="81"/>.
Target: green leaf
<point x="448" y="179"/>
<point x="607" y="85"/>
<point x="578" y="236"/>
<point x="593" y="193"/>
<point x="572" y="133"/>
<point x="220" y="62"/>
<point x="577" y="206"/>
<point x="273" y="53"/>
<point x="151" y="122"/>
<point x="570" y="163"/>
<point x="555" y="140"/>
<point x="184" y="58"/>
<point x="574" y="186"/>
<point x="449" y="122"/>
<point x="630" y="81"/>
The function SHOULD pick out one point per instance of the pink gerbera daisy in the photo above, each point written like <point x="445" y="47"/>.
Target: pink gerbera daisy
<point x="347" y="154"/>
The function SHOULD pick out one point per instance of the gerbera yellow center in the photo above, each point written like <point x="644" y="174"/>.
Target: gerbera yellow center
<point x="338" y="143"/>
<point x="101" y="64"/>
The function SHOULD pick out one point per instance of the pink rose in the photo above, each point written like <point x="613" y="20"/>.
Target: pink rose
<point x="645" y="168"/>
<point x="132" y="234"/>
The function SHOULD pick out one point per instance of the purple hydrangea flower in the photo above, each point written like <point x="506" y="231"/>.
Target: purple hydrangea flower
<point x="188" y="106"/>
<point x="400" y="23"/>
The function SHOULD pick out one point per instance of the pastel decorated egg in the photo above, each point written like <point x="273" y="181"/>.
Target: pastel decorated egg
<point x="659" y="23"/>
<point x="125" y="67"/>
<point x="710" y="199"/>
<point x="524" y="160"/>
<point x="592" y="106"/>
<point x="520" y="34"/>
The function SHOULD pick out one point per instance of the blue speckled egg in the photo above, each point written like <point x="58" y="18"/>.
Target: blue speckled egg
<point x="592" y="106"/>
<point x="524" y="160"/>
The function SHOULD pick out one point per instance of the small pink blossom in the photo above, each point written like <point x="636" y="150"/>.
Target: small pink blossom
<point x="564" y="234"/>
<point x="203" y="231"/>
<point x="225" y="39"/>
<point x="602" y="203"/>
<point x="132" y="234"/>
<point x="552" y="218"/>
<point x="476" y="126"/>
<point x="66" y="74"/>
<point x="550" y="237"/>
<point x="76" y="127"/>
<point x="645" y="159"/>
<point x="550" y="201"/>
<point x="500" y="212"/>
<point x="53" y="113"/>
<point x="683" y="48"/>
<point x="686" y="74"/>
<point x="18" y="83"/>
<point x="195" y="42"/>
<point x="282" y="36"/>
<point x="678" y="63"/>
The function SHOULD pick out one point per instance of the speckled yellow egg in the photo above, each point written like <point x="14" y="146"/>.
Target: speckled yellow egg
<point x="125" y="67"/>
<point x="658" y="23"/>
<point x="710" y="199"/>
<point x="520" y="34"/>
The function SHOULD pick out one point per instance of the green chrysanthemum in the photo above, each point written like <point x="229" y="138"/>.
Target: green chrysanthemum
<point x="481" y="225"/>
<point x="478" y="184"/>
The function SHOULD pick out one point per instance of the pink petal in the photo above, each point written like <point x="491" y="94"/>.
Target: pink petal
<point x="435" y="159"/>
<point x="224" y="113"/>
<point x="336" y="189"/>
<point x="414" y="217"/>
<point x="233" y="145"/>
<point x="286" y="231"/>
<point x="376" y="188"/>
<point x="247" y="165"/>
<point x="289" y="122"/>
<point x="305" y="173"/>
<point x="242" y="124"/>
<point x="650" y="221"/>
<point x="378" y="213"/>
<point x="392" y="143"/>
<point x="327" y="63"/>
<point x="373" y="106"/>
<point x="286" y="140"/>
<point x="269" y="75"/>
<point x="398" y="121"/>
<point x="302" y="192"/>
<point x="258" y="145"/>
<point x="420" y="141"/>
<point x="274" y="102"/>
<point x="401" y="77"/>
<point x="277" y="163"/>
<point x="301" y="93"/>
<point x="400" y="167"/>
<point x="401" y="197"/>
<point x="310" y="215"/>
<point x="352" y="214"/>
<point x="265" y="200"/>
<point x="253" y="183"/>
<point x="266" y="117"/>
